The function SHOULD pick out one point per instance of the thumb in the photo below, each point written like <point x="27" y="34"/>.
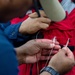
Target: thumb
<point x="35" y="15"/>
<point x="68" y="52"/>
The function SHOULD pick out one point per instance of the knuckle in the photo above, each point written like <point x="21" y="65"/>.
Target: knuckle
<point x="37" y="19"/>
<point x="38" y="25"/>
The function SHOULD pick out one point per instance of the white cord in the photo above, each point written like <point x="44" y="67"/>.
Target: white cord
<point x="54" y="40"/>
<point x="67" y="42"/>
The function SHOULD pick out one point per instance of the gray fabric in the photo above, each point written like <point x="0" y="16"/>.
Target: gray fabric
<point x="68" y="5"/>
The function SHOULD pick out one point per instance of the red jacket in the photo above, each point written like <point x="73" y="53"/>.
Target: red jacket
<point x="62" y="30"/>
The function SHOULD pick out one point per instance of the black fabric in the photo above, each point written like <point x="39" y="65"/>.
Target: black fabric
<point x="36" y="7"/>
<point x="38" y="35"/>
<point x="74" y="1"/>
<point x="31" y="69"/>
<point x="70" y="47"/>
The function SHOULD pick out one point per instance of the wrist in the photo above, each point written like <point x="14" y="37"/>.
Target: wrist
<point x="20" y="59"/>
<point x="53" y="68"/>
<point x="50" y="70"/>
<point x="45" y="73"/>
<point x="20" y="50"/>
<point x="19" y="55"/>
<point x="17" y="50"/>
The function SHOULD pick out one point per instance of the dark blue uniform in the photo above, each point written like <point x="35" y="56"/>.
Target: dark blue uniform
<point x="12" y="32"/>
<point x="8" y="60"/>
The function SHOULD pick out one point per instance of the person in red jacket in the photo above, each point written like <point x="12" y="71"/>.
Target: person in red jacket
<point x="62" y="30"/>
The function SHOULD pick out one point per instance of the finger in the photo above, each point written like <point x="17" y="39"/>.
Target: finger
<point x="45" y="57"/>
<point x="35" y="15"/>
<point x="42" y="13"/>
<point x="57" y="47"/>
<point x="43" y="25"/>
<point x="56" y="42"/>
<point x="54" y="52"/>
<point x="47" y="52"/>
<point x="44" y="20"/>
<point x="44" y="40"/>
<point x="32" y="59"/>
<point x="45" y="43"/>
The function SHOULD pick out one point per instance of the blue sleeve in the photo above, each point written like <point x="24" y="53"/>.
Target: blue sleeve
<point x="12" y="32"/>
<point x="8" y="61"/>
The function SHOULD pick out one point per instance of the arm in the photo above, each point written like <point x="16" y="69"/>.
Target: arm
<point x="21" y="31"/>
<point x="12" y="32"/>
<point x="8" y="61"/>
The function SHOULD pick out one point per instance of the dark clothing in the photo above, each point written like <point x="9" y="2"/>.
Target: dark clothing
<point x="12" y="32"/>
<point x="8" y="60"/>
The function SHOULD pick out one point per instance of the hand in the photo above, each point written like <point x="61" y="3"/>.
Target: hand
<point x="32" y="25"/>
<point x="63" y="61"/>
<point x="35" y="15"/>
<point x="54" y="51"/>
<point x="22" y="58"/>
<point x="33" y="47"/>
<point x="29" y="59"/>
